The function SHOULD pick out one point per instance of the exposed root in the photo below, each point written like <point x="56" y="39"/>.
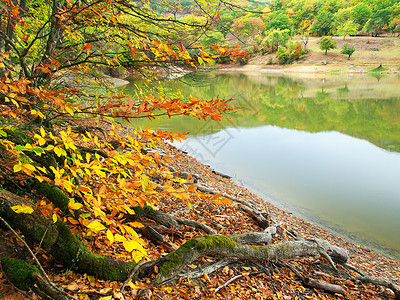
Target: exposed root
<point x="382" y="282"/>
<point x="166" y="219"/>
<point x="224" y="246"/>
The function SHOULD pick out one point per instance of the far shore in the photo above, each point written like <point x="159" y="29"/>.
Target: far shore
<point x="370" y="54"/>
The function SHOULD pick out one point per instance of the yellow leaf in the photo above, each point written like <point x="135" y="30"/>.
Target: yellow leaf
<point x="41" y="141"/>
<point x="74" y="205"/>
<point x="28" y="168"/>
<point x="131" y="245"/>
<point x="106" y="298"/>
<point x="42" y="131"/>
<point x="137" y="256"/>
<point x="55" y="218"/>
<point x="136" y="224"/>
<point x="119" y="238"/>
<point x="15" y="103"/>
<point x="59" y="151"/>
<point x="110" y="236"/>
<point x="69" y="110"/>
<point x="22" y="209"/>
<point x="91" y="280"/>
<point x="17" y="168"/>
<point x="130" y="230"/>
<point x="96" y="226"/>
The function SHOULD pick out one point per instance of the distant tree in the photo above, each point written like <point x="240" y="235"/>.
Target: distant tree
<point x="276" y="38"/>
<point x="302" y="16"/>
<point x="224" y="25"/>
<point x="395" y="26"/>
<point x="276" y="5"/>
<point x="348" y="28"/>
<point x="304" y="38"/>
<point x="249" y="26"/>
<point x="323" y="24"/>
<point x="343" y="15"/>
<point x="279" y="20"/>
<point x="326" y="43"/>
<point x="378" y="21"/>
<point x="347" y="50"/>
<point x="361" y="14"/>
<point x="212" y="38"/>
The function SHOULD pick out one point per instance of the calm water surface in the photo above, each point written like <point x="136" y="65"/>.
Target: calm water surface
<point x="326" y="149"/>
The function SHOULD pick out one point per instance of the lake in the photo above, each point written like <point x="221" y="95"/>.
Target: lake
<point x="324" y="147"/>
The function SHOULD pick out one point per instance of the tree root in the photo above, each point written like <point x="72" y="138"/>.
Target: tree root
<point x="260" y="217"/>
<point x="322" y="285"/>
<point x="25" y="276"/>
<point x="382" y="282"/>
<point x="166" y="219"/>
<point x="60" y="242"/>
<point x="224" y="246"/>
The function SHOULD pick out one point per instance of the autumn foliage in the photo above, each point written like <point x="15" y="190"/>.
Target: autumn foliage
<point x="39" y="138"/>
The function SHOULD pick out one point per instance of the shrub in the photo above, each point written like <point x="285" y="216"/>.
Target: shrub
<point x="283" y="55"/>
<point x="347" y="50"/>
<point x="286" y="55"/>
<point x="326" y="43"/>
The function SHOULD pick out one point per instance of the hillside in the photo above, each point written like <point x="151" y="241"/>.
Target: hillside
<point x="370" y="53"/>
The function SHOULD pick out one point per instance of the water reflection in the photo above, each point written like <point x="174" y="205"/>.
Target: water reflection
<point x="332" y="179"/>
<point x="357" y="106"/>
<point x="325" y="147"/>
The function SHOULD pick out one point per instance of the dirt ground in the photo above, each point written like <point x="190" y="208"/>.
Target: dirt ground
<point x="370" y="53"/>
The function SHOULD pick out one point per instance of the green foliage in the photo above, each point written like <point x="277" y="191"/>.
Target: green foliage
<point x="348" y="28"/>
<point x="292" y="52"/>
<point x="323" y="24"/>
<point x="348" y="50"/>
<point x="275" y="38"/>
<point x="279" y="20"/>
<point x="378" y="21"/>
<point x="212" y="38"/>
<point x="283" y="55"/>
<point x="361" y="13"/>
<point x="326" y="43"/>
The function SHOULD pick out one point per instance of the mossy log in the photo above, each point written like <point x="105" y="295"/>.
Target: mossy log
<point x="60" y="242"/>
<point x="224" y="246"/>
<point x="26" y="276"/>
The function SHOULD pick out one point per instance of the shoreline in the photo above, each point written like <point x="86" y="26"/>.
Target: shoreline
<point x="369" y="53"/>
<point x="365" y="258"/>
<point x="263" y="198"/>
<point x="299" y="69"/>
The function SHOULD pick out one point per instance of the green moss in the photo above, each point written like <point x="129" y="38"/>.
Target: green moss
<point x="54" y="194"/>
<point x="177" y="259"/>
<point x="19" y="137"/>
<point x="215" y="241"/>
<point x="138" y="210"/>
<point x="19" y="272"/>
<point x="73" y="253"/>
<point x="48" y="240"/>
<point x="254" y="247"/>
<point x="173" y="261"/>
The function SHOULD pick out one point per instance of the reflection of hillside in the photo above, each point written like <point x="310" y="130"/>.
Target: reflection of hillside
<point x="309" y="105"/>
<point x="358" y="86"/>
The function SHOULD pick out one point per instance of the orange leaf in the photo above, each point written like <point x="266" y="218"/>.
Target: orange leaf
<point x="192" y="188"/>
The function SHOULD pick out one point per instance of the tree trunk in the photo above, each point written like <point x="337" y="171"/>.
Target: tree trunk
<point x="60" y="242"/>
